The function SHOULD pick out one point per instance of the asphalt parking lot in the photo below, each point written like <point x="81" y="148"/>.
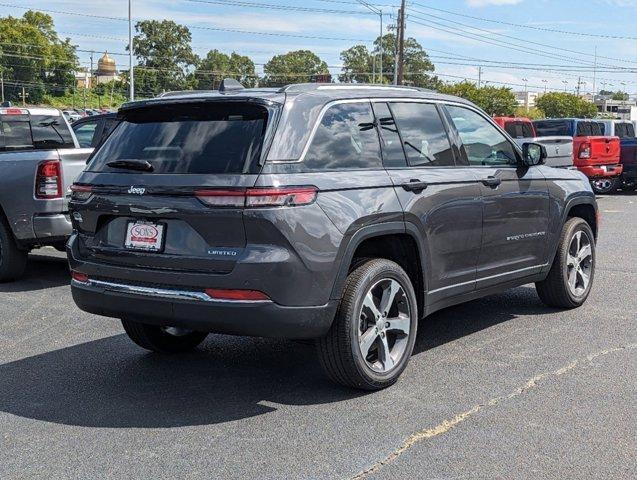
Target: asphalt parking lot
<point x="501" y="387"/>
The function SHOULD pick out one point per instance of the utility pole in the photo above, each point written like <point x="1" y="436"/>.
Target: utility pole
<point x="595" y="73"/>
<point x="526" y="93"/>
<point x="401" y="45"/>
<point x="579" y="83"/>
<point x="131" y="73"/>
<point x="2" y="84"/>
<point x="479" y="77"/>
<point x="545" y="82"/>
<point x="24" y="96"/>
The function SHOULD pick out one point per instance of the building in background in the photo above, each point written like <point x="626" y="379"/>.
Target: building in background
<point x="527" y="99"/>
<point x="106" y="72"/>
<point x="621" y="109"/>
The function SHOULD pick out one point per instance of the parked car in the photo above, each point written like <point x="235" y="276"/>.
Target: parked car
<point x="71" y="115"/>
<point x="339" y="213"/>
<point x="625" y="130"/>
<point x="39" y="159"/>
<point x="559" y="148"/>
<point x="595" y="154"/>
<point x="91" y="131"/>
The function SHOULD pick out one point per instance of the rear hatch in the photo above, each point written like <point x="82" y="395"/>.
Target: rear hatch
<point x="166" y="189"/>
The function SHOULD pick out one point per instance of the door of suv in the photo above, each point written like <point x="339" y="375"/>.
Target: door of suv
<point x="443" y="202"/>
<point x="515" y="200"/>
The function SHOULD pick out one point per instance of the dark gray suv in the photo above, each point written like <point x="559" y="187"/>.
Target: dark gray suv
<point x="339" y="213"/>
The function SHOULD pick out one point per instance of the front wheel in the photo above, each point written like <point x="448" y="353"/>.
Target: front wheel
<point x="373" y="334"/>
<point x="162" y="339"/>
<point x="602" y="186"/>
<point x="571" y="276"/>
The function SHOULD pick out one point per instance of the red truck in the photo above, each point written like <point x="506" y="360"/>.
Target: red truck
<point x="595" y="155"/>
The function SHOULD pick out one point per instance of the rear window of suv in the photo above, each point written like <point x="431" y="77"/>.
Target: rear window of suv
<point x="519" y="129"/>
<point x="199" y="138"/>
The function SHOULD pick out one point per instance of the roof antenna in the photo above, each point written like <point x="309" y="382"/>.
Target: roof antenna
<point x="230" y="85"/>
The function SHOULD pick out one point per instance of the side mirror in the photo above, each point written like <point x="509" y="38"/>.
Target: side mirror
<point x="533" y="154"/>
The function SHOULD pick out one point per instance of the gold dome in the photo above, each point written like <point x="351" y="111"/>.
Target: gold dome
<point x="106" y="65"/>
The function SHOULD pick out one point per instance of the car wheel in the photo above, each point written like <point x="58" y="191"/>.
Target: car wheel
<point x="13" y="260"/>
<point x="163" y="339"/>
<point x="603" y="186"/>
<point x="571" y="276"/>
<point x="374" y="331"/>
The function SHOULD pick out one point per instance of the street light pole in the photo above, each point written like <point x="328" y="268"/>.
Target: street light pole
<point x="526" y="93"/>
<point x="131" y="73"/>
<point x="545" y="82"/>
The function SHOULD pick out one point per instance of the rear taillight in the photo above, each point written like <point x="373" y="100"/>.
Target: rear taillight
<point x="81" y="193"/>
<point x="48" y="181"/>
<point x="237" y="295"/>
<point x="259" y="197"/>
<point x="585" y="151"/>
<point x="79" y="277"/>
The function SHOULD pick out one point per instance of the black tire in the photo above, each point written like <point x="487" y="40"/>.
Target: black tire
<point x="628" y="185"/>
<point x="555" y="290"/>
<point x="13" y="260"/>
<point x="604" y="186"/>
<point x="157" y="339"/>
<point x="339" y="351"/>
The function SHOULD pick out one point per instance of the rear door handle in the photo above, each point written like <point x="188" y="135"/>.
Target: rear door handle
<point x="492" y="182"/>
<point x="415" y="186"/>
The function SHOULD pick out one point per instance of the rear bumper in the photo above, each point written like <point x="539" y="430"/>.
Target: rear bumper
<point x="261" y="319"/>
<point x="601" y="171"/>
<point x="630" y="171"/>
<point x="52" y="226"/>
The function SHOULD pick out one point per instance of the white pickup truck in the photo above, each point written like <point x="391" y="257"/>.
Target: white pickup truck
<point x="559" y="149"/>
<point x="39" y="160"/>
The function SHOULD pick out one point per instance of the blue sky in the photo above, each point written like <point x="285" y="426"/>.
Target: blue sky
<point x="455" y="55"/>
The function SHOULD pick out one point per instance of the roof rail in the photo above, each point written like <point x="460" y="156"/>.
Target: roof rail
<point x="308" y="87"/>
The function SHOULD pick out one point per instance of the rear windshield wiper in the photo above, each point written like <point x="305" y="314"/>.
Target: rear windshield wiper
<point x="138" y="165"/>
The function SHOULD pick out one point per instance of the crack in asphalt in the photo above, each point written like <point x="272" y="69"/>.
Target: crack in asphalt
<point x="449" y="424"/>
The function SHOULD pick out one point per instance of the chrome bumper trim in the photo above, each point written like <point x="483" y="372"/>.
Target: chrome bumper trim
<point x="163" y="293"/>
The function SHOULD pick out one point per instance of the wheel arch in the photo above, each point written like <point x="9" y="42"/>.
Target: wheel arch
<point x="396" y="241"/>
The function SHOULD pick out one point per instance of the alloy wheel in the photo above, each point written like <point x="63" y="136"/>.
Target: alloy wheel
<point x="384" y="325"/>
<point x="579" y="263"/>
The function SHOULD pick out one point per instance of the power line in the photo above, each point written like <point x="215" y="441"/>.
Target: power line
<point x="531" y="27"/>
<point x="271" y="6"/>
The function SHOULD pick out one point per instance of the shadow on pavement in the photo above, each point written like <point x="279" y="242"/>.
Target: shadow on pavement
<point x="112" y="383"/>
<point x="42" y="272"/>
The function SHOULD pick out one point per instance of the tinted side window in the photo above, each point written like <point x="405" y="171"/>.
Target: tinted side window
<point x="50" y="132"/>
<point x="630" y="130"/>
<point x="346" y="139"/>
<point x="482" y="142"/>
<point x="584" y="129"/>
<point x="597" y="128"/>
<point x="84" y="133"/>
<point x="423" y="134"/>
<point x="393" y="153"/>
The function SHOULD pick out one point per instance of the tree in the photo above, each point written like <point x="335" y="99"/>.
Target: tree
<point x="217" y="66"/>
<point x="359" y="63"/>
<point x="620" y="96"/>
<point x="293" y="67"/>
<point x="32" y="55"/>
<point x="533" y="113"/>
<point x="493" y="100"/>
<point x="560" y="105"/>
<point x="164" y="56"/>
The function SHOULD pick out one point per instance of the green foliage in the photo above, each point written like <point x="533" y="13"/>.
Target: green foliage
<point x="293" y="67"/>
<point x="533" y="113"/>
<point x="217" y="66"/>
<point x="493" y="100"/>
<point x="620" y="96"/>
<point x="561" y="104"/>
<point x="164" y="57"/>
<point x="32" y="55"/>
<point x="86" y="98"/>
<point x="359" y="63"/>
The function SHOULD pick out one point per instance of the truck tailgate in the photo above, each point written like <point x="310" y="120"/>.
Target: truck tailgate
<point x="559" y="150"/>
<point x="604" y="150"/>
<point x="73" y="163"/>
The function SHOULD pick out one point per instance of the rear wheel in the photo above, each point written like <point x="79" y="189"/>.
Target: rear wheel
<point x="13" y="261"/>
<point x="571" y="277"/>
<point x="373" y="334"/>
<point x="603" y="186"/>
<point x="163" y="339"/>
